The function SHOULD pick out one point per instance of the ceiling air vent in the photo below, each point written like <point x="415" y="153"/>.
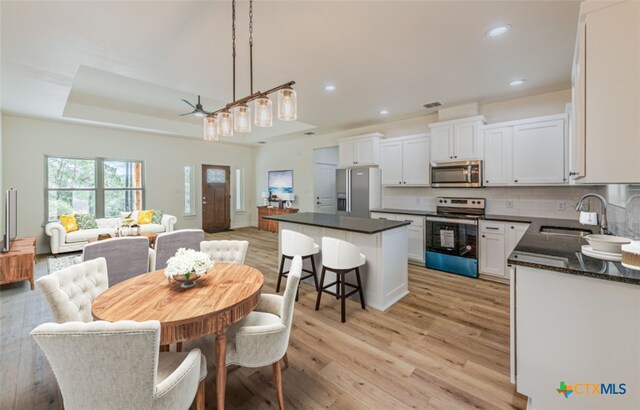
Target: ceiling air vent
<point x="433" y="104"/>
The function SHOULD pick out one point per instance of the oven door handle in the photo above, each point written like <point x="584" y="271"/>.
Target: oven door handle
<point x="469" y="171"/>
<point x="453" y="220"/>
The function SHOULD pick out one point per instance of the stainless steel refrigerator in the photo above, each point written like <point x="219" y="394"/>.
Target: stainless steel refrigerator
<point x="358" y="191"/>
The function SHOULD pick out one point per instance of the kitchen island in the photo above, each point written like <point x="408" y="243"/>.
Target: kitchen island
<point x="383" y="242"/>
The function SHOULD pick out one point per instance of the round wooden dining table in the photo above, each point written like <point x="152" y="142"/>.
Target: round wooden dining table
<point x="226" y="294"/>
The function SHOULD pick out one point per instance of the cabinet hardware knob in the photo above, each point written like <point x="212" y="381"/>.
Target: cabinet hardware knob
<point x="317" y="203"/>
<point x="512" y="227"/>
<point x="483" y="236"/>
<point x="486" y="182"/>
<point x="515" y="180"/>
<point x="404" y="182"/>
<point x="455" y="156"/>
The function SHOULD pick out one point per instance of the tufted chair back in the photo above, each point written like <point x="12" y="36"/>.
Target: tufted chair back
<point x="126" y="257"/>
<point x="168" y="243"/>
<point x="103" y="366"/>
<point x="70" y="292"/>
<point x="225" y="251"/>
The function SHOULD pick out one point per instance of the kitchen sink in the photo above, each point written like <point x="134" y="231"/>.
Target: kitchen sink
<point x="564" y="231"/>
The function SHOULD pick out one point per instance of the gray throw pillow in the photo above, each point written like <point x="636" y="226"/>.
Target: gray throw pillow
<point x="157" y="216"/>
<point x="86" y="221"/>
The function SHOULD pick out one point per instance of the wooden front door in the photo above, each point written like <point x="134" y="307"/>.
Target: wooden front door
<point x="216" y="198"/>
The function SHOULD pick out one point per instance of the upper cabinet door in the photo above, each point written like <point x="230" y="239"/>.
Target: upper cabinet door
<point x="466" y="141"/>
<point x="347" y="153"/>
<point x="539" y="153"/>
<point x="498" y="162"/>
<point x="366" y="149"/>
<point x="612" y="94"/>
<point x="391" y="162"/>
<point x="415" y="161"/>
<point x="442" y="143"/>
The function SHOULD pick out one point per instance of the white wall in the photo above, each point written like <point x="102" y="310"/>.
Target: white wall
<point x="298" y="154"/>
<point x="1" y="184"/>
<point x="27" y="141"/>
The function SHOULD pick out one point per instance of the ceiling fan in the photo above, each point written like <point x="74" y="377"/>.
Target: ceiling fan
<point x="198" y="111"/>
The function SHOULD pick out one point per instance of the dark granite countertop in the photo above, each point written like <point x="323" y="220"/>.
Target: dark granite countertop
<point x="404" y="211"/>
<point x="562" y="253"/>
<point x="344" y="223"/>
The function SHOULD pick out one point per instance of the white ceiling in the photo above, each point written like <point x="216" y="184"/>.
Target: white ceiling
<point x="128" y="64"/>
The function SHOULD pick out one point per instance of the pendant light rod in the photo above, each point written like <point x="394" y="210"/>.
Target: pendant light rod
<point x="233" y="41"/>
<point x="250" y="45"/>
<point x="253" y="96"/>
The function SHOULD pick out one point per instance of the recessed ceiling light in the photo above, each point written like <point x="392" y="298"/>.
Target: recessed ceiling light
<point x="384" y="112"/>
<point x="329" y="87"/>
<point x="516" y="83"/>
<point x="498" y="30"/>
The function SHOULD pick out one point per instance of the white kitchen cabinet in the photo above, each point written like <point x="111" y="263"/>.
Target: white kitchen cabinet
<point x="539" y="153"/>
<point x="498" y="155"/>
<point x="457" y="139"/>
<point x="531" y="151"/>
<point x="492" y="254"/>
<point x="416" y="233"/>
<point x="606" y="93"/>
<point x="497" y="240"/>
<point x="405" y="161"/>
<point x="362" y="150"/>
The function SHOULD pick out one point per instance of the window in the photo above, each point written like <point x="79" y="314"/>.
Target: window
<point x="239" y="194"/>
<point x="97" y="186"/>
<point x="189" y="191"/>
<point x="122" y="186"/>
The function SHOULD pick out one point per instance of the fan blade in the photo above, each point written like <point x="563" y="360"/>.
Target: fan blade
<point x="188" y="113"/>
<point x="191" y="105"/>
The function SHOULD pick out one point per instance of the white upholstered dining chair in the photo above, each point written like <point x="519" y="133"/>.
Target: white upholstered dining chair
<point x="103" y="365"/>
<point x="126" y="257"/>
<point x="262" y="337"/>
<point x="168" y="243"/>
<point x="70" y="292"/>
<point x="225" y="251"/>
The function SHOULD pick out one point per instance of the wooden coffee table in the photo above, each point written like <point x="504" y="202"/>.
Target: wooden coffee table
<point x="149" y="235"/>
<point x="222" y="297"/>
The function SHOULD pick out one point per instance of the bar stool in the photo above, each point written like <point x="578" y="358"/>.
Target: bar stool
<point x="340" y="257"/>
<point x="294" y="243"/>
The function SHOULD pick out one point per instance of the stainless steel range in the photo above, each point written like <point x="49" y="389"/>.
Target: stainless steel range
<point x="452" y="235"/>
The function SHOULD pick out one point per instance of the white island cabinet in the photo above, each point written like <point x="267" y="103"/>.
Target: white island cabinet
<point x="385" y="275"/>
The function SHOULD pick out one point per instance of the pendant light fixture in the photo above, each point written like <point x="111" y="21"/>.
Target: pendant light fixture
<point x="222" y="123"/>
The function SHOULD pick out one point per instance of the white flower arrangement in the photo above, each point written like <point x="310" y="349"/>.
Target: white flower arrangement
<point x="188" y="261"/>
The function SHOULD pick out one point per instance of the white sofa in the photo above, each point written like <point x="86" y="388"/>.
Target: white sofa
<point x="62" y="242"/>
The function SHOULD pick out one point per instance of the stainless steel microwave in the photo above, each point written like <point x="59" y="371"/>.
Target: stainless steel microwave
<point x="456" y="174"/>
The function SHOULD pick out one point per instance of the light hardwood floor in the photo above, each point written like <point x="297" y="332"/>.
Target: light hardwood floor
<point x="445" y="345"/>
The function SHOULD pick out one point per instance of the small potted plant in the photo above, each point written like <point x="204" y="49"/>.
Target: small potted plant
<point x="187" y="266"/>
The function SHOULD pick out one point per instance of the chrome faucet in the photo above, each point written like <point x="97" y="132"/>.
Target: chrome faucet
<point x="604" y="228"/>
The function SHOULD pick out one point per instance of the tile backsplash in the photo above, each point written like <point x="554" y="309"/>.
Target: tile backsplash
<point x="623" y="212"/>
<point x="544" y="202"/>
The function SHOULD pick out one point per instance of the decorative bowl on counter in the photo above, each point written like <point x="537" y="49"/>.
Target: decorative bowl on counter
<point x="631" y="255"/>
<point x="607" y="243"/>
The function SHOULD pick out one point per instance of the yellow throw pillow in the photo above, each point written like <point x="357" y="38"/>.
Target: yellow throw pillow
<point x="69" y="222"/>
<point x="145" y="217"/>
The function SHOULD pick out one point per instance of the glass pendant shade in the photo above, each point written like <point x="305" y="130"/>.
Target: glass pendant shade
<point x="242" y="118"/>
<point x="226" y="124"/>
<point x="263" y="112"/>
<point x="211" y="128"/>
<point x="287" y="104"/>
